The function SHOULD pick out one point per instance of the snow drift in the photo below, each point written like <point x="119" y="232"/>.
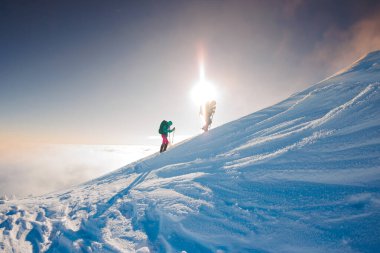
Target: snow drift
<point x="300" y="176"/>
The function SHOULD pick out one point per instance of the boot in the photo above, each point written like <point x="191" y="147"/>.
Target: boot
<point x="162" y="148"/>
<point x="165" y="147"/>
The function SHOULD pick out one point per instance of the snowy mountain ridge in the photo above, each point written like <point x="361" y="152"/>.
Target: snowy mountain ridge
<point x="300" y="176"/>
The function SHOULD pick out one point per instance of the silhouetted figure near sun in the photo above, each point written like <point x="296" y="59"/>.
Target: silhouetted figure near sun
<point x="207" y="112"/>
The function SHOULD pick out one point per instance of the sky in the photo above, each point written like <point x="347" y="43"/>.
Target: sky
<point x="108" y="72"/>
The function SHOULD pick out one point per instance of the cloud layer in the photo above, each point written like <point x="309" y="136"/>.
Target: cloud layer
<point x="37" y="170"/>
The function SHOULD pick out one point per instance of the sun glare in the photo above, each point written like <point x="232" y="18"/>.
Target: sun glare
<point x="202" y="92"/>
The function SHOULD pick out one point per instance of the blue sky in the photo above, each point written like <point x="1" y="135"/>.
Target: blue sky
<point x="108" y="72"/>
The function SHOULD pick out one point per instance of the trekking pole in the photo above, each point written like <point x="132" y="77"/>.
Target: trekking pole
<point x="173" y="137"/>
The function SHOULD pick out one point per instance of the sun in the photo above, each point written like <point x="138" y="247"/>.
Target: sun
<point x="202" y="92"/>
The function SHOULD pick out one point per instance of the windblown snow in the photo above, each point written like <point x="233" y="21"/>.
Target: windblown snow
<point x="300" y="176"/>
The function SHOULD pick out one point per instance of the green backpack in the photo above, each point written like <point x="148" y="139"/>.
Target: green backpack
<point x="163" y="124"/>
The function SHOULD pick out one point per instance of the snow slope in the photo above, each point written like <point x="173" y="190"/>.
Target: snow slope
<point x="300" y="176"/>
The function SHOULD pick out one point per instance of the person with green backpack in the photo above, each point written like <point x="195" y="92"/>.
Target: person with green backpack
<point x="164" y="130"/>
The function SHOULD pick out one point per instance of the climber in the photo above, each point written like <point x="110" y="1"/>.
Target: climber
<point x="207" y="113"/>
<point x="164" y="130"/>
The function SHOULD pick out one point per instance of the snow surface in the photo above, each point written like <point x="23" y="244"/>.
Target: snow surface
<point x="300" y="176"/>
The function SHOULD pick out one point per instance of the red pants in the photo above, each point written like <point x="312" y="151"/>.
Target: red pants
<point x="164" y="139"/>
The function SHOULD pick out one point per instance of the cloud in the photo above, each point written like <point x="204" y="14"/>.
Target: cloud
<point x="341" y="47"/>
<point x="39" y="169"/>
